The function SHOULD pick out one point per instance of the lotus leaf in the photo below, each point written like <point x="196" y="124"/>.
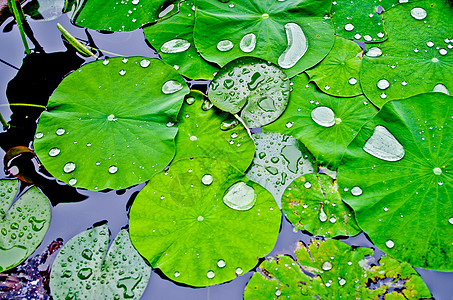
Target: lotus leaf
<point x="117" y="130"/>
<point x="295" y="34"/>
<point x="334" y="270"/>
<point x="338" y="74"/>
<point x="259" y="88"/>
<point x="84" y="269"/>
<point x="279" y="159"/>
<point x="417" y="57"/>
<point x="203" y="222"/>
<point x="23" y="225"/>
<point x="324" y="124"/>
<point x="396" y="175"/>
<point x="204" y="130"/>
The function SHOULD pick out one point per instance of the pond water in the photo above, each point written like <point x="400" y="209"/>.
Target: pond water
<point x="75" y="210"/>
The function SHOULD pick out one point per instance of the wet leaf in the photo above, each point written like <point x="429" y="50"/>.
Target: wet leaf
<point x="313" y="203"/>
<point x="323" y="123"/>
<point x="293" y="34"/>
<point x="203" y="222"/>
<point x="23" y="225"/>
<point x="84" y="269"/>
<point x="113" y="133"/>
<point x="333" y="269"/>
<point x="396" y="175"/>
<point x="418" y="56"/>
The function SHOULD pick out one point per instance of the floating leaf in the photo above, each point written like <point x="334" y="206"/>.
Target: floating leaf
<point x="203" y="222"/>
<point x="259" y="88"/>
<point x="396" y="175"/>
<point x="338" y="74"/>
<point x="279" y="159"/>
<point x="324" y="124"/>
<point x="205" y="130"/>
<point x="295" y="34"/>
<point x="85" y="270"/>
<point x="418" y="56"/>
<point x="332" y="270"/>
<point x="23" y="225"/>
<point x="44" y="9"/>
<point x="173" y="40"/>
<point x="113" y="133"/>
<point x="313" y="203"/>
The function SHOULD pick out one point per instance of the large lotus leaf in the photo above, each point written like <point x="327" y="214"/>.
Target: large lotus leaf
<point x="204" y="130"/>
<point x="335" y="270"/>
<point x="107" y="124"/>
<point x="396" y="175"/>
<point x="313" y="203"/>
<point x="323" y="123"/>
<point x="295" y="34"/>
<point x="338" y="74"/>
<point x="417" y="57"/>
<point x="118" y="15"/>
<point x="203" y="222"/>
<point x="259" y="88"/>
<point x="23" y="225"/>
<point x="279" y="159"/>
<point x="84" y="269"/>
<point x="173" y="39"/>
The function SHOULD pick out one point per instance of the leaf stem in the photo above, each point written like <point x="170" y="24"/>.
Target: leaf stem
<point x="245" y="126"/>
<point x="24" y="104"/>
<point x="19" y="16"/>
<point x="74" y="42"/>
<point x="3" y="121"/>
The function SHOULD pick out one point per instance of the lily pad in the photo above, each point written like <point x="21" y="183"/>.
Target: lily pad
<point x="279" y="159"/>
<point x="332" y="270"/>
<point x="295" y="34"/>
<point x="204" y="130"/>
<point x="397" y="174"/>
<point x="173" y="39"/>
<point x="203" y="222"/>
<point x="259" y="88"/>
<point x="113" y="133"/>
<point x="313" y="203"/>
<point x="84" y="269"/>
<point x="338" y="74"/>
<point x="23" y="225"/>
<point x="323" y="123"/>
<point x="418" y="56"/>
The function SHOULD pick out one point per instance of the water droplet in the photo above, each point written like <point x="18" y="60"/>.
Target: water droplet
<point x="437" y="171"/>
<point x="239" y="271"/>
<point x="171" y="86"/>
<point x="177" y="274"/>
<point x="240" y="196"/>
<point x="66" y="274"/>
<point x="349" y="27"/>
<point x="323" y="116"/>
<point x="307" y="185"/>
<point x="418" y="13"/>
<point x="207" y="179"/>
<point x="124" y="60"/>
<point x="69" y="167"/>
<point x="342" y="282"/>
<point x="289" y="124"/>
<point x="322" y="215"/>
<point x="190" y="100"/>
<point x="128" y="284"/>
<point x="84" y="273"/>
<point x="72" y="181"/>
<point x="435" y="60"/>
<point x="248" y="43"/>
<point x="380" y="34"/>
<point x="227" y="125"/>
<point x="113" y="169"/>
<point x="221" y="263"/>
<point x="278" y="293"/>
<point x="383" y="84"/>
<point x="135" y="2"/>
<point x="170" y="124"/>
<point x="210" y="274"/>
<point x="145" y="63"/>
<point x="443" y="52"/>
<point x="175" y="46"/>
<point x="39" y="135"/>
<point x="390" y="244"/>
<point x="352" y="81"/>
<point x="265" y="16"/>
<point x="292" y="155"/>
<point x="166" y="10"/>
<point x="200" y="218"/>
<point x="228" y="83"/>
<point x="450" y="221"/>
<point x="122" y="72"/>
<point x="357" y="36"/>
<point x="326" y="266"/>
<point x="87" y="254"/>
<point x="374" y="52"/>
<point x="111" y="118"/>
<point x="225" y="45"/>
<point x="430" y="44"/>
<point x="297" y="46"/>
<point x="440" y="88"/>
<point x="383" y="145"/>
<point x="105" y="62"/>
<point x="60" y="131"/>
<point x="356" y="191"/>
<point x="54" y="152"/>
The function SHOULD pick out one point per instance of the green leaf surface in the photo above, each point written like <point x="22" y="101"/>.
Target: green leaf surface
<point x="338" y="74"/>
<point x="173" y="39"/>
<point x="204" y="130"/>
<point x="115" y="132"/>
<point x="23" y="225"/>
<point x="294" y="34"/>
<point x="84" y="269"/>
<point x="279" y="159"/>
<point x="417" y="57"/>
<point x="334" y="270"/>
<point x="258" y="89"/>
<point x="199" y="223"/>
<point x="327" y="144"/>
<point x="313" y="203"/>
<point x="397" y="176"/>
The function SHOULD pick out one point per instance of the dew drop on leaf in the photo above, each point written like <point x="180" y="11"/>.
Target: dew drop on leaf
<point x="323" y="116"/>
<point x="383" y="145"/>
<point x="240" y="196"/>
<point x="225" y="45"/>
<point x="69" y="167"/>
<point x="210" y="274"/>
<point x="175" y="46"/>
<point x="297" y="46"/>
<point x="54" y="152"/>
<point x="248" y="43"/>
<point x="418" y="13"/>
<point x="171" y="86"/>
<point x="207" y="179"/>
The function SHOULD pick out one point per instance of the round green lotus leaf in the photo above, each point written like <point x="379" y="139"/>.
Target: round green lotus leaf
<point x="203" y="222"/>
<point x="173" y="39"/>
<point x="109" y="124"/>
<point x="23" y="225"/>
<point x="204" y="130"/>
<point x="84" y="269"/>
<point x="279" y="159"/>
<point x="338" y="74"/>
<point x="323" y="123"/>
<point x="256" y="88"/>
<point x="295" y="34"/>
<point x="417" y="57"/>
<point x="396" y="175"/>
<point x="313" y="203"/>
<point x="331" y="269"/>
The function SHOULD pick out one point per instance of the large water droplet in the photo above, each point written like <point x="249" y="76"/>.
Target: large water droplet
<point x="69" y="167"/>
<point x="323" y="116"/>
<point x="72" y="181"/>
<point x="390" y="244"/>
<point x="255" y="80"/>
<point x="87" y="254"/>
<point x="356" y="191"/>
<point x="322" y="215"/>
<point x="113" y="169"/>
<point x="39" y="135"/>
<point x="437" y="171"/>
<point x="175" y="46"/>
<point x="36" y="224"/>
<point x="128" y="284"/>
<point x="54" y="152"/>
<point x="166" y="10"/>
<point x="225" y="45"/>
<point x="145" y="63"/>
<point x="440" y="88"/>
<point x="122" y="72"/>
<point x="239" y="271"/>
<point x="227" y="125"/>
<point x="326" y="266"/>
<point x="240" y="196"/>
<point x="84" y="273"/>
<point x="383" y="145"/>
<point x="292" y="155"/>
<point x="374" y="52"/>
<point x="207" y="179"/>
<point x="111" y="118"/>
<point x="60" y="131"/>
<point x="221" y="263"/>
<point x="418" y="13"/>
<point x="383" y="84"/>
<point x="297" y="46"/>
<point x="349" y="27"/>
<point x="248" y="43"/>
<point x="171" y="86"/>
<point x="210" y="274"/>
